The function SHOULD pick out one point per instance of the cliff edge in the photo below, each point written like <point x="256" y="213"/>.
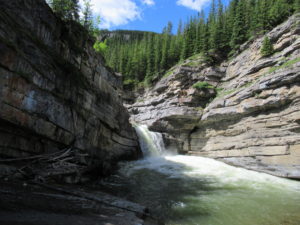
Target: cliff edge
<point x="56" y="93"/>
<point x="245" y="111"/>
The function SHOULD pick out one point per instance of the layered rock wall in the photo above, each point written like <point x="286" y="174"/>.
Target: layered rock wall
<point x="55" y="91"/>
<point x="251" y="118"/>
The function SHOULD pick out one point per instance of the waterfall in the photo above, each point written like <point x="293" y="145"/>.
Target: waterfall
<point x="151" y="143"/>
<point x="187" y="190"/>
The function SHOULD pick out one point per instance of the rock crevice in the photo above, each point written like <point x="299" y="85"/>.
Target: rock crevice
<point x="55" y="90"/>
<point x="248" y="116"/>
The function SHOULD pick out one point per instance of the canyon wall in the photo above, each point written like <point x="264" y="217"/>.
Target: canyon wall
<point x="245" y="111"/>
<point x="55" y="91"/>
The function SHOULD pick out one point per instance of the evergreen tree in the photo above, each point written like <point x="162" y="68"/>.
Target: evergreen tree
<point x="145" y="56"/>
<point x="263" y="20"/>
<point x="267" y="47"/>
<point x="157" y="55"/>
<point x="87" y="19"/>
<point x="212" y="26"/>
<point x="166" y="46"/>
<point x="203" y="34"/>
<point x="239" y="31"/>
<point x="279" y="10"/>
<point x="219" y="37"/>
<point x="66" y="9"/>
<point x="297" y="6"/>
<point x="150" y="56"/>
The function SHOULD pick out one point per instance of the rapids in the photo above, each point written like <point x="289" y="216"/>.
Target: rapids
<point x="188" y="190"/>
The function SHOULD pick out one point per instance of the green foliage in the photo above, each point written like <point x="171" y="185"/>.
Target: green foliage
<point x="168" y="73"/>
<point x="66" y="9"/>
<point x="279" y="10"/>
<point x="88" y="20"/>
<point x="203" y="85"/>
<point x="284" y="65"/>
<point x="100" y="47"/>
<point x="146" y="56"/>
<point x="70" y="10"/>
<point x="239" y="29"/>
<point x="130" y="83"/>
<point x="297" y="5"/>
<point x="267" y="47"/>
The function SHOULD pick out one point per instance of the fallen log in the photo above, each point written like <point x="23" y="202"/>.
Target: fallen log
<point x="42" y="156"/>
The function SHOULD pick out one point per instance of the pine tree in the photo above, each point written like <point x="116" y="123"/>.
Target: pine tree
<point x="239" y="31"/>
<point x="212" y="26"/>
<point x="279" y="10"/>
<point x="218" y="31"/>
<point x="231" y="13"/>
<point x="87" y="20"/>
<point x="66" y="9"/>
<point x="263" y="8"/>
<point x="267" y="47"/>
<point x="203" y="34"/>
<point x="166" y="46"/>
<point x="150" y="57"/>
<point x="144" y="56"/>
<point x="74" y="10"/>
<point x="297" y="5"/>
<point x="157" y="55"/>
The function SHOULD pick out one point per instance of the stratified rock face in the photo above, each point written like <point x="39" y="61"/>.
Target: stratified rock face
<point x="254" y="121"/>
<point x="174" y="106"/>
<point x="55" y="91"/>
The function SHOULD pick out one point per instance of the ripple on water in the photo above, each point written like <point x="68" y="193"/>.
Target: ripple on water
<point x="190" y="190"/>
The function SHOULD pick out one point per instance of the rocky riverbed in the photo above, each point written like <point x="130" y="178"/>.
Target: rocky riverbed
<point x="29" y="203"/>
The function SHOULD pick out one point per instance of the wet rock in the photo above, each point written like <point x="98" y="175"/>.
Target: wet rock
<point x="36" y="205"/>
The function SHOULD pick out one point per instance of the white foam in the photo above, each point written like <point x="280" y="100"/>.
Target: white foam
<point x="199" y="167"/>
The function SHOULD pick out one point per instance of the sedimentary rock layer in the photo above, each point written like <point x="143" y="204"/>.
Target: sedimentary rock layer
<point x="55" y="91"/>
<point x="251" y="118"/>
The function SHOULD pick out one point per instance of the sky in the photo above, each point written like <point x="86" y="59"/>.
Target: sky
<point x="146" y="15"/>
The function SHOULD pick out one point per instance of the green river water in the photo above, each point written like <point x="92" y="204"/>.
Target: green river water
<point x="187" y="190"/>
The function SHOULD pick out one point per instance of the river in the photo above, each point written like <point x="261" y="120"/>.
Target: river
<point x="188" y="190"/>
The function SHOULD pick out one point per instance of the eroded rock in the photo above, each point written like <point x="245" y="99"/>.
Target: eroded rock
<point x="253" y="120"/>
<point x="55" y="90"/>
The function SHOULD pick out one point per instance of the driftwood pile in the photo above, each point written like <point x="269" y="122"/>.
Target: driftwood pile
<point x="46" y="169"/>
<point x="67" y="165"/>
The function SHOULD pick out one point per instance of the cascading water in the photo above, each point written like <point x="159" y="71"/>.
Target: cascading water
<point x="187" y="190"/>
<point x="151" y="143"/>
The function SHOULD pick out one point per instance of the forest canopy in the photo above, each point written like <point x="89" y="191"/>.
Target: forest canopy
<point x="143" y="57"/>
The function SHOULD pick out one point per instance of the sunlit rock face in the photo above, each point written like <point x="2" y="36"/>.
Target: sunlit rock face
<point x="55" y="91"/>
<point x="252" y="116"/>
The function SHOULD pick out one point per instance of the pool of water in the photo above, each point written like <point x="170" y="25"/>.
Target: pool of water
<point x="187" y="190"/>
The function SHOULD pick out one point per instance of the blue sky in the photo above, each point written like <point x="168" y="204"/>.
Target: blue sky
<point x="148" y="15"/>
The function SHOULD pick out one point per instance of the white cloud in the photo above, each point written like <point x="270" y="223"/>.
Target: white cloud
<point x="193" y="4"/>
<point x="148" y="2"/>
<point x="116" y="12"/>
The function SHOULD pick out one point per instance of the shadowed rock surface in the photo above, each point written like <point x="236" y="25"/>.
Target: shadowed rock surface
<point x="55" y="92"/>
<point x="61" y="120"/>
<point x="23" y="203"/>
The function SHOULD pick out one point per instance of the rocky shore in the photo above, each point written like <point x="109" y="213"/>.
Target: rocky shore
<point x="62" y="120"/>
<point x="28" y="203"/>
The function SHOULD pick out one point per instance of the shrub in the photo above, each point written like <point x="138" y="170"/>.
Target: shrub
<point x="267" y="47"/>
<point x="203" y="85"/>
<point x="100" y="46"/>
